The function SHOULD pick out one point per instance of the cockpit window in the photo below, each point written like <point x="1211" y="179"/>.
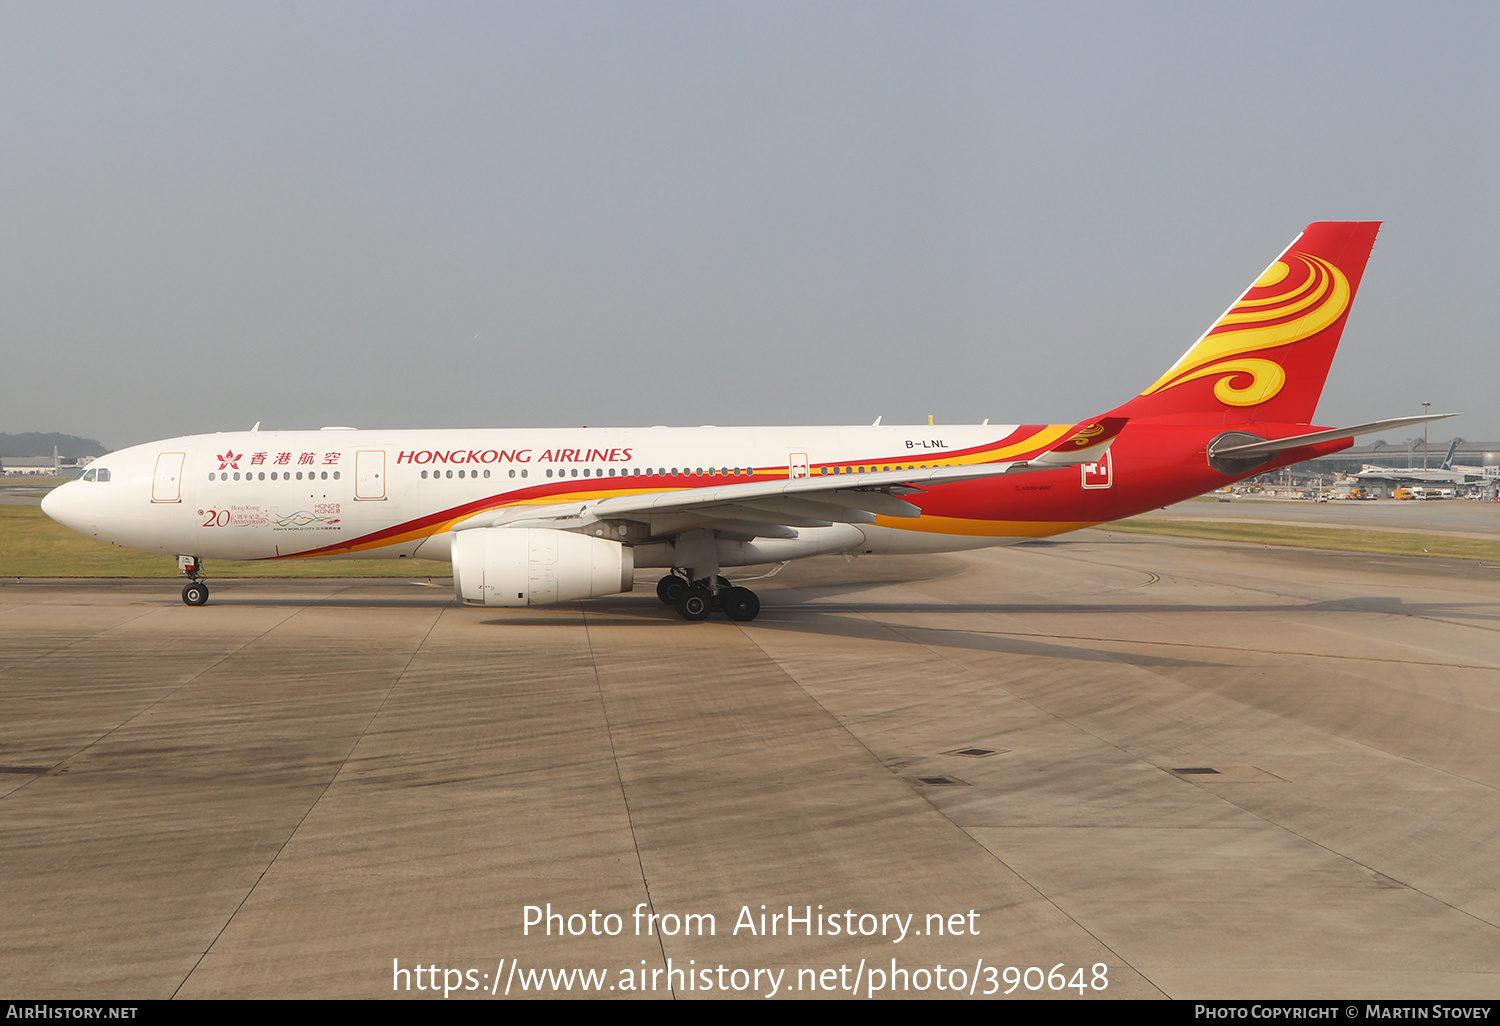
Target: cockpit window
<point x="95" y="474"/>
<point x="103" y="474"/>
<point x="88" y="475"/>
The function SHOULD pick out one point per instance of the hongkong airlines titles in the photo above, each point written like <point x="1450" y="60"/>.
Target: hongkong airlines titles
<point x="462" y="456"/>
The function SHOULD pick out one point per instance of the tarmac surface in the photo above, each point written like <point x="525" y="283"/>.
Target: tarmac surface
<point x="1217" y="771"/>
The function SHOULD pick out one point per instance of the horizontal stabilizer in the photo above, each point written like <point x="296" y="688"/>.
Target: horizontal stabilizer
<point x="1270" y="447"/>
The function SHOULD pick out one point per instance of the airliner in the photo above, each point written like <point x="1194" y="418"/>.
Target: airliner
<point x="532" y="517"/>
<point x="1448" y="473"/>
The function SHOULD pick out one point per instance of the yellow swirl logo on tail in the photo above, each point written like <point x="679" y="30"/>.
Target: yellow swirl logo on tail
<point x="1297" y="297"/>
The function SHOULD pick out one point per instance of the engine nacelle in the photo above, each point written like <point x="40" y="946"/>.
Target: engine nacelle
<point x="523" y="566"/>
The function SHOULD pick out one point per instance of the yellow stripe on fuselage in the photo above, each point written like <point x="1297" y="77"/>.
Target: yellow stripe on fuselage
<point x="984" y="528"/>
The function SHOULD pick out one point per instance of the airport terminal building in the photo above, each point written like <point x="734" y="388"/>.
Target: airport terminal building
<point x="1406" y="462"/>
<point x="42" y="466"/>
<point x="1399" y="455"/>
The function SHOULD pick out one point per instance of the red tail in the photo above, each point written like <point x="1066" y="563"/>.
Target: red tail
<point x="1266" y="359"/>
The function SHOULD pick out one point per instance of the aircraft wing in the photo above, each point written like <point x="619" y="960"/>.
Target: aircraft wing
<point x="777" y="508"/>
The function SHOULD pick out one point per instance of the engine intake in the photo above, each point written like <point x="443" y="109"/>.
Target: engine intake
<point x="521" y="566"/>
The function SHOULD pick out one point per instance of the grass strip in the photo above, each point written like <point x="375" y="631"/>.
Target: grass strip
<point x="1339" y="539"/>
<point x="31" y="545"/>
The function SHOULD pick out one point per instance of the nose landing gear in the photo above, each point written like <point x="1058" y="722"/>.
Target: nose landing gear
<point x="195" y="592"/>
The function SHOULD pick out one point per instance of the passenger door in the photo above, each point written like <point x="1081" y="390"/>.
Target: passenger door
<point x="166" y="485"/>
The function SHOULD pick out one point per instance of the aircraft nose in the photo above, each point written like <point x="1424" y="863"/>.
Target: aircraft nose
<point x="58" y="503"/>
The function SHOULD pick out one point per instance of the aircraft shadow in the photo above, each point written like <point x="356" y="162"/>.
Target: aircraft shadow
<point x="833" y="620"/>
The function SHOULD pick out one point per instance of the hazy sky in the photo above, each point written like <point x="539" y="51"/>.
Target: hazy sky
<point x="490" y="214"/>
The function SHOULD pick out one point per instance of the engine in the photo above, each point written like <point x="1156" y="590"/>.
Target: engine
<point x="519" y="566"/>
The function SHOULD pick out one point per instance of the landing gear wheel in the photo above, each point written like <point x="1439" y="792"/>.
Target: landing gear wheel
<point x="740" y="604"/>
<point x="670" y="588"/>
<point x="195" y="594"/>
<point x="694" y="604"/>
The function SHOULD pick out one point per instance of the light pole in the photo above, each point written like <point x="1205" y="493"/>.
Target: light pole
<point x="1424" y="437"/>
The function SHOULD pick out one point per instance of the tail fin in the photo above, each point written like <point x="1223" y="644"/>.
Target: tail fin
<point x="1448" y="460"/>
<point x="1267" y="357"/>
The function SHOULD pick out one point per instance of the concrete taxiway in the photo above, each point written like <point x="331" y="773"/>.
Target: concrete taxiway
<point x="1218" y="771"/>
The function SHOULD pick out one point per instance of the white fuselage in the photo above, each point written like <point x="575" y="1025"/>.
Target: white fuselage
<point x="390" y="494"/>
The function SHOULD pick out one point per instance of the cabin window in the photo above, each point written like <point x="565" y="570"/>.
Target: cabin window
<point x="486" y="473"/>
<point x="512" y="472"/>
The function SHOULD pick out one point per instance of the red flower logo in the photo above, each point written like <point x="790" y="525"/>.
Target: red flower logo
<point x="230" y="459"/>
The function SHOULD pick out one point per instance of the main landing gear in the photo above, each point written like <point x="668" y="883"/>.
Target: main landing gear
<point x="695" y="600"/>
<point x="195" y="592"/>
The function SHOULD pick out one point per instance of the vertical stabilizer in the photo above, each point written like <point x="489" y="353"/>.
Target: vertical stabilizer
<point x="1267" y="357"/>
<point x="1448" y="460"/>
